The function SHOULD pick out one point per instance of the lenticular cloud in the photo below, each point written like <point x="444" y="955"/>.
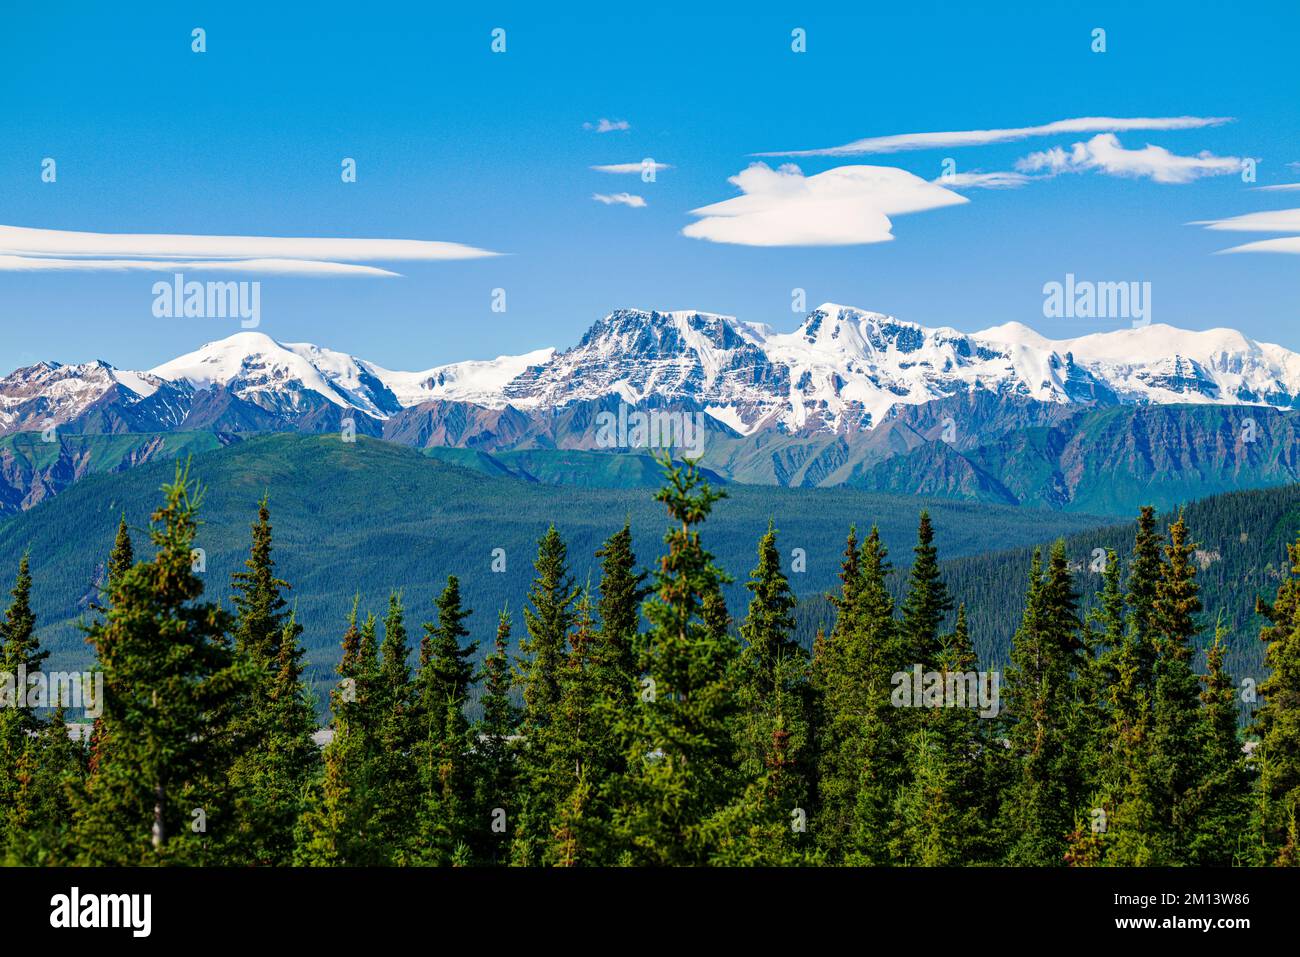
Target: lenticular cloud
<point x="846" y="206"/>
<point x="26" y="249"/>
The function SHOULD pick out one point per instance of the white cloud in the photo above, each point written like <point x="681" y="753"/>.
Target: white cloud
<point x="58" y="242"/>
<point x="631" y="167"/>
<point x="1280" y="187"/>
<point x="1104" y="154"/>
<point x="995" y="180"/>
<point x="845" y="206"/>
<point x="607" y="126"/>
<point x="923" y="141"/>
<point x="1268" y="221"/>
<point x="1283" y="244"/>
<point x="619" y="199"/>
<point x="287" y="267"/>
<point x="30" y="250"/>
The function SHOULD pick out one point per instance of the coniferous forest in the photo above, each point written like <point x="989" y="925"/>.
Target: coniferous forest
<point x="636" y="720"/>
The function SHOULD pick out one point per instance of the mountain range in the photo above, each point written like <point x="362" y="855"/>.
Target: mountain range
<point x="851" y="397"/>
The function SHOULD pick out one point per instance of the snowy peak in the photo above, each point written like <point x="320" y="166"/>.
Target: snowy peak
<point x="639" y="354"/>
<point x="282" y="377"/>
<point x="480" y="381"/>
<point x="842" y="369"/>
<point x="50" y="392"/>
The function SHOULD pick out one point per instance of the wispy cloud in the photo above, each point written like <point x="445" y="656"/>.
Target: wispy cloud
<point x="976" y="180"/>
<point x="607" y="126"/>
<point x="846" y="206"/>
<point x="901" y="142"/>
<point x="631" y="167"/>
<point x="619" y="199"/>
<point x="299" y="267"/>
<point x="30" y="249"/>
<point x="1268" y="221"/>
<point x="1280" y="187"/>
<point x="1283" y="244"/>
<point x="1104" y="154"/>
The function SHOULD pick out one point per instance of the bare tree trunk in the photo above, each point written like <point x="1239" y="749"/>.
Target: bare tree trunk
<point x="159" y="832"/>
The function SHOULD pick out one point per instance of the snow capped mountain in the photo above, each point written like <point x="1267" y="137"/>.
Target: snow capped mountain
<point x="635" y="354"/>
<point x="1159" y="363"/>
<point x="481" y="381"/>
<point x="52" y="393"/>
<point x="843" y="370"/>
<point x="282" y="377"/>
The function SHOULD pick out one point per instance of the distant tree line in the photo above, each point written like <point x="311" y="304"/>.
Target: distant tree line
<point x="635" y="728"/>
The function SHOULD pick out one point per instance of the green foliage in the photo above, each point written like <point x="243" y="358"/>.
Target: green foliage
<point x="648" y="733"/>
<point x="171" y="683"/>
<point x="337" y="534"/>
<point x="1042" y="691"/>
<point x="1277" y="725"/>
<point x="680" y="767"/>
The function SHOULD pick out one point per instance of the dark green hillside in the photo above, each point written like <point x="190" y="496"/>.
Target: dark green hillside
<point x="1236" y="569"/>
<point x="1105" y="461"/>
<point x="564" y="466"/>
<point x="1241" y="538"/>
<point x="32" y="470"/>
<point x="370" y="516"/>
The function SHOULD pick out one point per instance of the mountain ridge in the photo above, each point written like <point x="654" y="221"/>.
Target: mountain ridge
<point x="842" y="370"/>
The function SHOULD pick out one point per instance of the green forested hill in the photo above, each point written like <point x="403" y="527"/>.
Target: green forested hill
<point x="370" y="516"/>
<point x="33" y="470"/>
<point x="1241" y="539"/>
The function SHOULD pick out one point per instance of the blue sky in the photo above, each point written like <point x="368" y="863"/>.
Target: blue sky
<point x="456" y="144"/>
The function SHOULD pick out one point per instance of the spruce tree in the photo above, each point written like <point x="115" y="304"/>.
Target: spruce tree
<point x="122" y="557"/>
<point x="333" y="830"/>
<point x="1045" y="656"/>
<point x="768" y="629"/>
<point x="394" y="825"/>
<point x="578" y="742"/>
<point x="943" y="807"/>
<point x="1219" y="806"/>
<point x="269" y="772"/>
<point x="773" y="726"/>
<point x="20" y="656"/>
<point x="548" y="620"/>
<point x="292" y="759"/>
<point x="1277" y="724"/>
<point x="445" y="747"/>
<point x="1143" y="580"/>
<point x="1102" y="767"/>
<point x="927" y="602"/>
<point x="622" y="589"/>
<point x="680" y="756"/>
<point x="171" y="683"/>
<point x="1174" y="760"/>
<point x="260" y="607"/>
<point x="861" y="746"/>
<point x="446" y="669"/>
<point x="495" y="770"/>
<point x="767" y="825"/>
<point x="1130" y="837"/>
<point x="40" y="765"/>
